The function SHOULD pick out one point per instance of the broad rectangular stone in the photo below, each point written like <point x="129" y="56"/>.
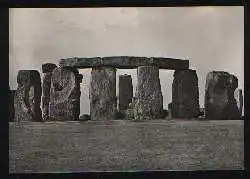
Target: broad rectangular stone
<point x="126" y="62"/>
<point x="65" y="93"/>
<point x="185" y="94"/>
<point x="102" y="93"/>
<point x="219" y="96"/>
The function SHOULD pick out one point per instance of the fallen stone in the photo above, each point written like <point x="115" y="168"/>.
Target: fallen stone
<point x="64" y="94"/>
<point x="239" y="99"/>
<point x="125" y="62"/>
<point x="27" y="98"/>
<point x="84" y="117"/>
<point x="125" y="91"/>
<point x="148" y="101"/>
<point x="219" y="96"/>
<point x="47" y="70"/>
<point x="185" y="94"/>
<point x="102" y="93"/>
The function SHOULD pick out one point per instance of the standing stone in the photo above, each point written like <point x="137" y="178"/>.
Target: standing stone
<point x="219" y="96"/>
<point x="185" y="94"/>
<point x="11" y="105"/>
<point x="148" y="103"/>
<point x="125" y="91"/>
<point x="102" y="93"/>
<point x="64" y="94"/>
<point x="239" y="99"/>
<point x="47" y="70"/>
<point x="27" y="98"/>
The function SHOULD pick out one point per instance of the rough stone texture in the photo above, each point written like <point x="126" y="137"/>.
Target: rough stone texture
<point x="219" y="96"/>
<point x="102" y="93"/>
<point x="47" y="70"/>
<point x="185" y="94"/>
<point x="125" y="91"/>
<point x="65" y="94"/>
<point x="27" y="98"/>
<point x="148" y="101"/>
<point x="11" y="105"/>
<point x="239" y="99"/>
<point x="125" y="62"/>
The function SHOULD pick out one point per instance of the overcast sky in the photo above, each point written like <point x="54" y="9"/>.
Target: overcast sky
<point x="212" y="38"/>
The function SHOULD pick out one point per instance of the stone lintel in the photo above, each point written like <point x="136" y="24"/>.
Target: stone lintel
<point x="126" y="62"/>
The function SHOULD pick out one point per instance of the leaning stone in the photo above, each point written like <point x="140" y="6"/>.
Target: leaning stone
<point x="219" y="96"/>
<point x="239" y="99"/>
<point x="102" y="93"/>
<point x="64" y="94"/>
<point x="148" y="103"/>
<point x="28" y="96"/>
<point x="125" y="91"/>
<point x="47" y="70"/>
<point x="185" y="94"/>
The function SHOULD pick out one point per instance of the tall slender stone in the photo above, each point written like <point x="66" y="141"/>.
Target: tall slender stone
<point x="125" y="91"/>
<point x="102" y="93"/>
<point x="148" y="101"/>
<point x="11" y="105"/>
<point x="28" y="96"/>
<point x="219" y="96"/>
<point x="239" y="99"/>
<point x="64" y="94"/>
<point x="47" y="70"/>
<point x="185" y="94"/>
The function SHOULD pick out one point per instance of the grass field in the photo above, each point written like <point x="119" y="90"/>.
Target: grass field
<point x="125" y="146"/>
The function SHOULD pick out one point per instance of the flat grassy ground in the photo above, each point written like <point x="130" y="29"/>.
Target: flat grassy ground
<point x="126" y="145"/>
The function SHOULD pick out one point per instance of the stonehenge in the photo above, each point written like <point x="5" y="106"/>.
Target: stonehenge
<point x="47" y="70"/>
<point x="102" y="93"/>
<point x="28" y="96"/>
<point x="59" y="93"/>
<point x="64" y="94"/>
<point x="185" y="94"/>
<point x="219" y="96"/>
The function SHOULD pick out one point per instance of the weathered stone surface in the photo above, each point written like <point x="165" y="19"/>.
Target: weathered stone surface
<point x="148" y="101"/>
<point x="185" y="94"/>
<point x="11" y="105"/>
<point x="219" y="96"/>
<point x="28" y="96"/>
<point x="64" y="94"/>
<point x="239" y="99"/>
<point x="102" y="93"/>
<point x="125" y="62"/>
<point x="125" y="91"/>
<point x="47" y="70"/>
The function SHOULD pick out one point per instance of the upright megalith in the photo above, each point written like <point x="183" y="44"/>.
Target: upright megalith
<point x="185" y="94"/>
<point x="47" y="70"/>
<point x="64" y="94"/>
<point x="219" y="96"/>
<point x="125" y="91"/>
<point x="239" y="99"/>
<point x="27" y="98"/>
<point x="102" y="93"/>
<point x="148" y="101"/>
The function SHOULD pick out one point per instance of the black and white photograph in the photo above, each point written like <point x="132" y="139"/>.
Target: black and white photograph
<point x="120" y="89"/>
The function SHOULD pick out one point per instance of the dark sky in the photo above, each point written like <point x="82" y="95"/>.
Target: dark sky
<point x="212" y="38"/>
